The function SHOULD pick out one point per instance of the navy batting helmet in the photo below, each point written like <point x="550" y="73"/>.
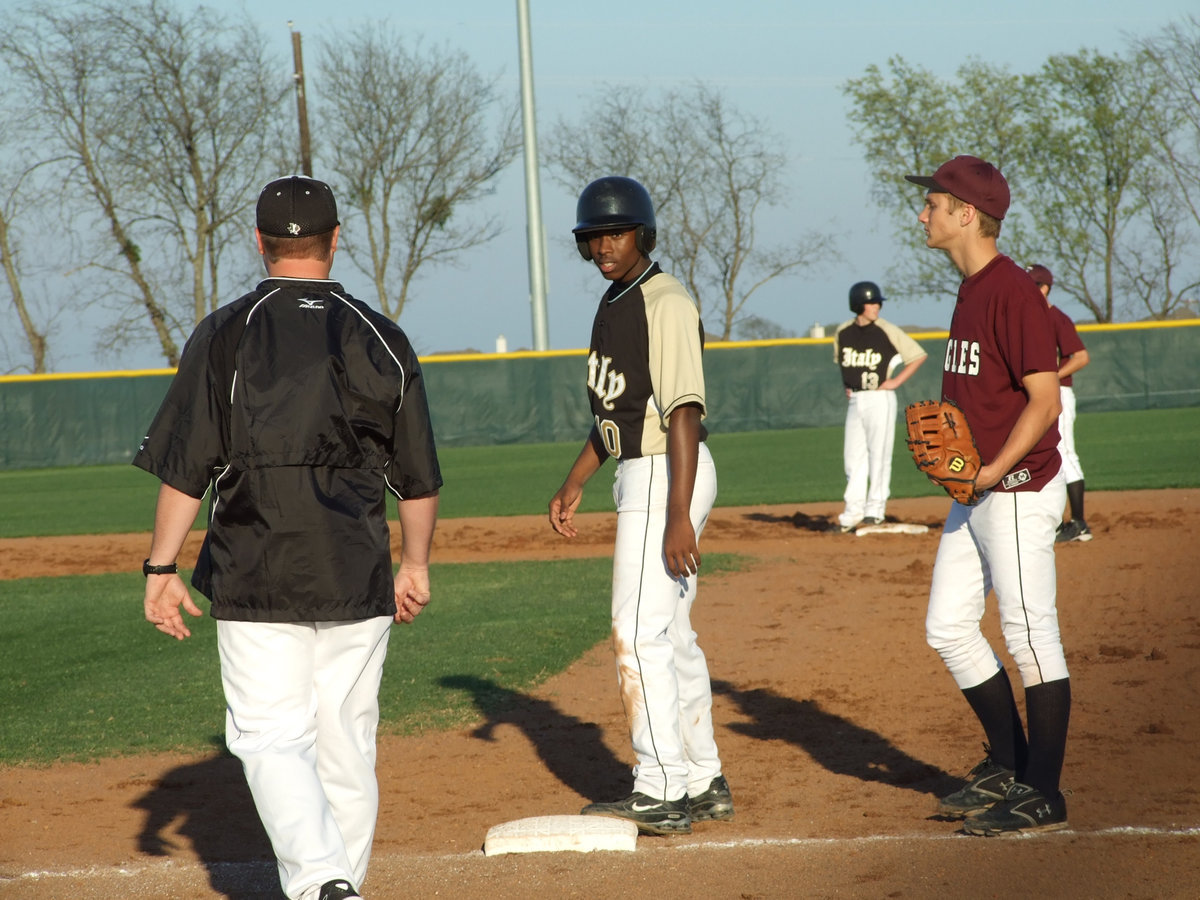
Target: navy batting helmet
<point x="863" y="293"/>
<point x="610" y="202"/>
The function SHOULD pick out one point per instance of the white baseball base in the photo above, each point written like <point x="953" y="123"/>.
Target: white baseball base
<point x="550" y="834"/>
<point x="891" y="528"/>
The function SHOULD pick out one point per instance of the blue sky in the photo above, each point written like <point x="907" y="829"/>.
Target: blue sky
<point x="780" y="60"/>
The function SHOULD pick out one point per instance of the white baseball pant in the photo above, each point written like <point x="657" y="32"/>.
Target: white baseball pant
<point x="867" y="455"/>
<point x="302" y="713"/>
<point x="1003" y="543"/>
<point x="662" y="671"/>
<point x="1066" y="432"/>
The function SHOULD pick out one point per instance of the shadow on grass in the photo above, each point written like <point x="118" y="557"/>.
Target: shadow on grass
<point x="573" y="750"/>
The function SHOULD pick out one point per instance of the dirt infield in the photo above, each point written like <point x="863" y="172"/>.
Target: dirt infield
<point x="837" y="726"/>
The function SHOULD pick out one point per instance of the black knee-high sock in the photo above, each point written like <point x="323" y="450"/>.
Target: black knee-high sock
<point x="1048" y="709"/>
<point x="1075" y="496"/>
<point x="996" y="709"/>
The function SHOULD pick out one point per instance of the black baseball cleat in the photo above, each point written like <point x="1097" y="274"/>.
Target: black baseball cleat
<point x="714" y="803"/>
<point x="987" y="784"/>
<point x="650" y="815"/>
<point x="338" y="889"/>
<point x="1075" y="530"/>
<point x="872" y="520"/>
<point x="1024" y="810"/>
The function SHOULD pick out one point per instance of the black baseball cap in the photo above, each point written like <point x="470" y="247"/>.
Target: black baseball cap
<point x="296" y="206"/>
<point x="971" y="180"/>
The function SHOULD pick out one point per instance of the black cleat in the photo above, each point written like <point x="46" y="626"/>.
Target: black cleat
<point x="987" y="784"/>
<point x="714" y="803"/>
<point x="338" y="889"/>
<point x="650" y="815"/>
<point x="1024" y="810"/>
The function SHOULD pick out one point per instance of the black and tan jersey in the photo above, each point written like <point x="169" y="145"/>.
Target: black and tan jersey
<point x="299" y="408"/>
<point x="868" y="354"/>
<point x="644" y="362"/>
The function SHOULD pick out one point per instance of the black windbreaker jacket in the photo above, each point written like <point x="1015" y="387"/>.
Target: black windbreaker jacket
<point x="300" y="407"/>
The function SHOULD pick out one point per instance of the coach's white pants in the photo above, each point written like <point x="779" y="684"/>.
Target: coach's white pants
<point x="1005" y="543"/>
<point x="662" y="672"/>
<point x="1072" y="470"/>
<point x="867" y="455"/>
<point x="302" y="712"/>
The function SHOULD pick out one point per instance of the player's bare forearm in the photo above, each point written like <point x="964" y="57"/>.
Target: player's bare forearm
<point x="1039" y="414"/>
<point x="1073" y="364"/>
<point x="418" y="519"/>
<point x="165" y="594"/>
<point x="566" y="499"/>
<point x="683" y="452"/>
<point x="903" y="375"/>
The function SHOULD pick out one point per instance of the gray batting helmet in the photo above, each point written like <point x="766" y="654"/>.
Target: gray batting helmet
<point x="862" y="293"/>
<point x="610" y="202"/>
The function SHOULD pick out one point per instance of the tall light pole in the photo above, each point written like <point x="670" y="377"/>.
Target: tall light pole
<point x="533" y="193"/>
<point x="301" y="104"/>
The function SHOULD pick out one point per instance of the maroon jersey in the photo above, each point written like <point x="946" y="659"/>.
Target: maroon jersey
<point x="1066" y="337"/>
<point x="999" y="333"/>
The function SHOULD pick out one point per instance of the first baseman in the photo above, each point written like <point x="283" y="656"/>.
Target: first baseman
<point x="645" y="382"/>
<point x="869" y="349"/>
<point x="1072" y="356"/>
<point x="300" y="409"/>
<point x="1001" y="368"/>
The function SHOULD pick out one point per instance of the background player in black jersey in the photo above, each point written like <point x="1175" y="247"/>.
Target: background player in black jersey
<point x="869" y="350"/>
<point x="646" y="388"/>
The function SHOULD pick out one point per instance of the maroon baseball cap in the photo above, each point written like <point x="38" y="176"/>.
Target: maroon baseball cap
<point x="296" y="206"/>
<point x="971" y="180"/>
<point x="1041" y="275"/>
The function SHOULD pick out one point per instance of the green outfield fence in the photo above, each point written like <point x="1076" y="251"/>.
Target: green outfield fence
<point x="507" y="398"/>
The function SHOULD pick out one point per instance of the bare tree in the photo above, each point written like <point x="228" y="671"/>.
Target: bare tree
<point x="1174" y="56"/>
<point x="208" y="106"/>
<point x="712" y="172"/>
<point x="17" y="196"/>
<point x="411" y="145"/>
<point x="161" y="119"/>
<point x="35" y="339"/>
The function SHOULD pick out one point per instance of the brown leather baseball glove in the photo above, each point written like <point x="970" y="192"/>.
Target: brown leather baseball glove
<point x="942" y="446"/>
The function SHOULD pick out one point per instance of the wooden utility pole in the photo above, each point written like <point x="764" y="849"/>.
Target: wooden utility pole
<point x="301" y="105"/>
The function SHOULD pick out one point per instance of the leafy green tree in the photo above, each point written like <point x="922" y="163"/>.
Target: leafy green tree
<point x="1076" y="141"/>
<point x="1086" y="167"/>
<point x="909" y="121"/>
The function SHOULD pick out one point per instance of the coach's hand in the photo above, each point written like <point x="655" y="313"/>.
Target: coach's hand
<point x="165" y="594"/>
<point x="412" y="592"/>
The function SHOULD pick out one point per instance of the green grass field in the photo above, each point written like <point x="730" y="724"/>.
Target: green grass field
<point x="83" y="676"/>
<point x="1120" y="451"/>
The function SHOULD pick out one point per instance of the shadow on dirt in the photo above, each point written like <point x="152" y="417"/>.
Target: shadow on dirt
<point x="800" y="520"/>
<point x="573" y="750"/>
<point x="208" y="803"/>
<point x="836" y="743"/>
